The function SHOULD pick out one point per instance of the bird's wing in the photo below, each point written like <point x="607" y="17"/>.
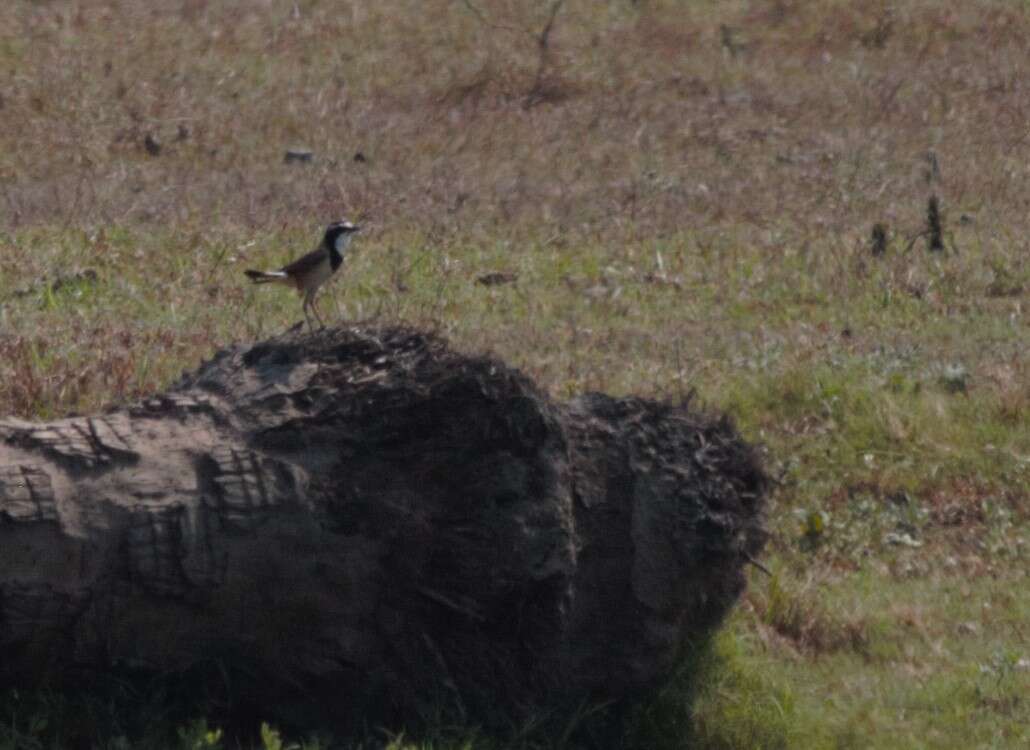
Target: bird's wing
<point x="306" y="263"/>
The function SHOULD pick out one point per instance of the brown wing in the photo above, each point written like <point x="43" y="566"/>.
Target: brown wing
<point x="305" y="264"/>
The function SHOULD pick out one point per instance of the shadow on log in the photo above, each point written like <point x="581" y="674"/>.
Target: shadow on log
<point x="368" y="526"/>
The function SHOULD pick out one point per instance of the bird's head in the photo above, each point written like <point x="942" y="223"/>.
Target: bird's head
<point x="339" y="234"/>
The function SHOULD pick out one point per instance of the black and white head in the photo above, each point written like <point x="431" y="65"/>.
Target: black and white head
<point x="339" y="234"/>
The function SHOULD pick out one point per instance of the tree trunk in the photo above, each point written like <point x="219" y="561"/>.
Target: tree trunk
<point x="369" y="520"/>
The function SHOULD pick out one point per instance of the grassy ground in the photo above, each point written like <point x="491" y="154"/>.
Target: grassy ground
<point x="686" y="193"/>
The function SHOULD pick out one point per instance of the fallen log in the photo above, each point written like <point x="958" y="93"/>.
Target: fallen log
<point x="369" y="523"/>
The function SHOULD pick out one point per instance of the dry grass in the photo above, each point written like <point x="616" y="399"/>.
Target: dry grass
<point x="685" y="196"/>
<point x="651" y="123"/>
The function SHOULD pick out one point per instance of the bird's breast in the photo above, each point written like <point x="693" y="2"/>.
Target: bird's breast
<point x="335" y="259"/>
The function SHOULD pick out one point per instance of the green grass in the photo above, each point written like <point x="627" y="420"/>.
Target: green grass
<point x="686" y="208"/>
<point x="875" y="625"/>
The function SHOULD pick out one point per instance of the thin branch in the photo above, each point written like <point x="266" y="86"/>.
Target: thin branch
<point x="487" y="22"/>
<point x="542" y="42"/>
<point x="545" y="35"/>
<point x="753" y="561"/>
<point x="542" y="39"/>
<point x="916" y="236"/>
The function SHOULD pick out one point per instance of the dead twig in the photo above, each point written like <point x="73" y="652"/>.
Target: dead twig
<point x="490" y="24"/>
<point x="757" y="564"/>
<point x="542" y="39"/>
<point x="543" y="45"/>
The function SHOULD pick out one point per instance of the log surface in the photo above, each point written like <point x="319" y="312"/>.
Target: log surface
<point x="370" y="513"/>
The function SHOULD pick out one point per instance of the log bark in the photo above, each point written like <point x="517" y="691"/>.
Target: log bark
<point x="369" y="519"/>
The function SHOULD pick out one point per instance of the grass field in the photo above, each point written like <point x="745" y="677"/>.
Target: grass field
<point x="686" y="193"/>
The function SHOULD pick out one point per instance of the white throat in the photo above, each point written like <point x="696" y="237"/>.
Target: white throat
<point x="342" y="240"/>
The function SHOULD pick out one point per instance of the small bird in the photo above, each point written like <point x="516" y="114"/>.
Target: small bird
<point x="310" y="271"/>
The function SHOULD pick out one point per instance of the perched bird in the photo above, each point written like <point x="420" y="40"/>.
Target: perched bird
<point x="310" y="271"/>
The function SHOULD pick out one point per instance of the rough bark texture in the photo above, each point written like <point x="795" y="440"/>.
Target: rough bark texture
<point x="351" y="519"/>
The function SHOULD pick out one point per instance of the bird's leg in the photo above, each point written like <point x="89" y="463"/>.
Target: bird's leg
<point x="314" y="308"/>
<point x="307" y="315"/>
<point x="336" y="301"/>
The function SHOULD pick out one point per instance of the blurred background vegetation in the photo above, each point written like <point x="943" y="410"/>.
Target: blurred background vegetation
<point x="672" y="196"/>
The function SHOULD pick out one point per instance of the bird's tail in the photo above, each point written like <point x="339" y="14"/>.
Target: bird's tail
<point x="266" y="277"/>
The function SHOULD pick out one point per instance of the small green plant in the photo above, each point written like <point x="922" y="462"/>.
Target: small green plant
<point x="198" y="736"/>
<point x="814" y="526"/>
<point x="1004" y="281"/>
<point x="954" y="378"/>
<point x="270" y="738"/>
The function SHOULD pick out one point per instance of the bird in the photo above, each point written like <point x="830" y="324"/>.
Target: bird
<point x="310" y="271"/>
